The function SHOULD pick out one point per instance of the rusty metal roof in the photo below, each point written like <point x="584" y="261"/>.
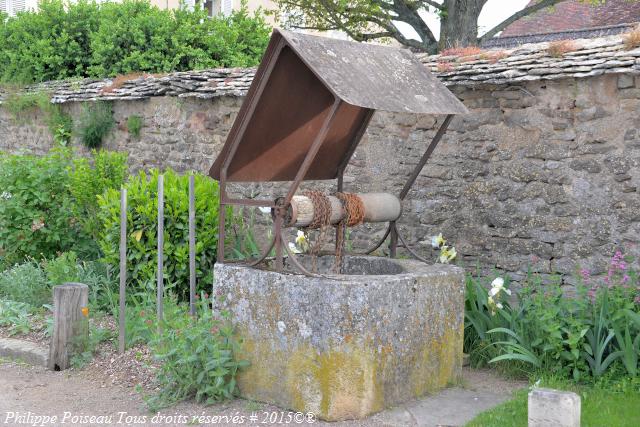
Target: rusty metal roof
<point x="292" y="101"/>
<point x="374" y="76"/>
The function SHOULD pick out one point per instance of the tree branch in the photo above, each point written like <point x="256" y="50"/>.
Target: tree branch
<point x="431" y="3"/>
<point x="513" y="18"/>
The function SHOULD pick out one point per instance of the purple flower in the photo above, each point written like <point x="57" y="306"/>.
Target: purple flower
<point x="586" y="275"/>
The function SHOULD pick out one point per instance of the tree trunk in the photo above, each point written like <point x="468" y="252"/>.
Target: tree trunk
<point x="459" y="23"/>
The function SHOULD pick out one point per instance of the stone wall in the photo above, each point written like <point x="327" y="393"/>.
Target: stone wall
<point x="540" y="174"/>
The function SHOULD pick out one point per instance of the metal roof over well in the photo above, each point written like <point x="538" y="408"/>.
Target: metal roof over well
<point x="309" y="88"/>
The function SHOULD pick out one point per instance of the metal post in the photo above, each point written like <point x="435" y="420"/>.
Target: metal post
<point x="423" y="160"/>
<point x="192" y="246"/>
<point x="393" y="242"/>
<point x="123" y="268"/>
<point x="160" y="284"/>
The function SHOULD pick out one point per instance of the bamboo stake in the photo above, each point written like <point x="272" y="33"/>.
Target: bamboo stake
<point x="192" y="246"/>
<point x="123" y="268"/>
<point x="160" y="284"/>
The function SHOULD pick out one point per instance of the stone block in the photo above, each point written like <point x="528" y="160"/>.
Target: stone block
<point x="346" y="346"/>
<point x="625" y="81"/>
<point x="25" y="351"/>
<point x="553" y="408"/>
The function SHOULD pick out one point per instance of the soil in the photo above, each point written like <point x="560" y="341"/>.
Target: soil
<point x="112" y="386"/>
<point x="34" y="391"/>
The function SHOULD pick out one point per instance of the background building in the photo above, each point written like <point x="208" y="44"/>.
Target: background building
<point x="570" y="19"/>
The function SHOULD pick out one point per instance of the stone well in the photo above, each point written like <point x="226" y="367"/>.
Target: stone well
<point x="346" y="346"/>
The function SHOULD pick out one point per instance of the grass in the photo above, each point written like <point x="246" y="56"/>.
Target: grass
<point x="602" y="405"/>
<point x="558" y="48"/>
<point x="632" y="39"/>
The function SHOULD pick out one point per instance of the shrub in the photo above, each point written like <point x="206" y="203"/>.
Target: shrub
<point x="134" y="125"/>
<point x="142" y="229"/>
<point x="15" y="315"/>
<point x="197" y="359"/>
<point x="37" y="211"/>
<point x="581" y="337"/>
<point x="96" y="122"/>
<point x="92" y="177"/>
<point x="26" y="283"/>
<point x="48" y="204"/>
<point x="99" y="39"/>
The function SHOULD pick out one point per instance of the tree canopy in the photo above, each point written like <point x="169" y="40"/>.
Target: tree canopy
<point x="366" y="20"/>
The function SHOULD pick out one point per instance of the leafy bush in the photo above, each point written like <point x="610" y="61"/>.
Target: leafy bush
<point x="597" y="331"/>
<point x="90" y="178"/>
<point x="25" y="283"/>
<point x="90" y="39"/>
<point x="96" y="122"/>
<point x="48" y="204"/>
<point x="15" y="315"/>
<point x="37" y="215"/>
<point x="197" y="358"/>
<point x="142" y="229"/>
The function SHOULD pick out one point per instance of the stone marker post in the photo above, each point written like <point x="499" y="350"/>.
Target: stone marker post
<point x="555" y="408"/>
<point x="70" y="323"/>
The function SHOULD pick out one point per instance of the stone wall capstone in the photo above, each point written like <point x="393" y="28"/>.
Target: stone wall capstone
<point x="542" y="175"/>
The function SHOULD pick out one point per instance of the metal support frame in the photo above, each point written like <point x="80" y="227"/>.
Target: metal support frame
<point x="279" y="210"/>
<point x="392" y="228"/>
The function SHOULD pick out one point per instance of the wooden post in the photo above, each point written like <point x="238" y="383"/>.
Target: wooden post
<point x="192" y="246"/>
<point x="70" y="324"/>
<point x="123" y="269"/>
<point x="160" y="286"/>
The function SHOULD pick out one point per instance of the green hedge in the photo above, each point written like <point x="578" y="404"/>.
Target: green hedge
<point x="142" y="229"/>
<point x="86" y="39"/>
<point x="48" y="203"/>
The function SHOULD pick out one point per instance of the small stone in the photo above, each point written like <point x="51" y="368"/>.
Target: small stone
<point x="556" y="408"/>
<point x="625" y="81"/>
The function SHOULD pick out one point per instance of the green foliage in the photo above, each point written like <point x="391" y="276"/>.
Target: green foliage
<point x="134" y="125"/>
<point x="96" y="121"/>
<point x="15" y="315"/>
<point x="89" y="39"/>
<point x="584" y="337"/>
<point x="90" y="178"/>
<point x="48" y="203"/>
<point x="60" y="124"/>
<point x="18" y="103"/>
<point x="62" y="269"/>
<point x="142" y="230"/>
<point x="25" y="283"/>
<point x="88" y="345"/>
<point x="36" y="209"/>
<point x="197" y="359"/>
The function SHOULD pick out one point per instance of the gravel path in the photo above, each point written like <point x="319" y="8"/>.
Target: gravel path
<point x="32" y="392"/>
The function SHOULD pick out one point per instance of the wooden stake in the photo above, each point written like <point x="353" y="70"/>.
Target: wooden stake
<point x="192" y="246"/>
<point x="160" y="284"/>
<point x="70" y="324"/>
<point x="123" y="269"/>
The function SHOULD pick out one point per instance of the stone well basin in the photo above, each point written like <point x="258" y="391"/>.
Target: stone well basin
<point x="346" y="346"/>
